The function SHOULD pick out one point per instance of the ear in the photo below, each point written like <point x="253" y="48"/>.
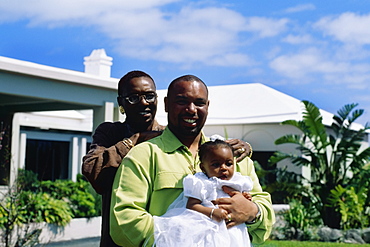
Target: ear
<point x="165" y="104"/>
<point x="201" y="167"/>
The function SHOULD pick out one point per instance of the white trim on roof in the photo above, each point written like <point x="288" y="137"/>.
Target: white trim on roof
<point x="38" y="70"/>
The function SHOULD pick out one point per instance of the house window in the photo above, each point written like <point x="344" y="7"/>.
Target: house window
<point x="49" y="159"/>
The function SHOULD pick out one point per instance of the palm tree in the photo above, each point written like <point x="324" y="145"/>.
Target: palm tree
<point x="334" y="155"/>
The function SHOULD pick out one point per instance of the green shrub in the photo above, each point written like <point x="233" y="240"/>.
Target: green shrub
<point x="77" y="194"/>
<point x="27" y="180"/>
<point x="32" y="201"/>
<point x="351" y="206"/>
<point x="47" y="201"/>
<point x="41" y="207"/>
<point x="300" y="219"/>
<point x="23" y="207"/>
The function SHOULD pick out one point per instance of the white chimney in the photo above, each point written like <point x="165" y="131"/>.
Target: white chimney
<point x="98" y="63"/>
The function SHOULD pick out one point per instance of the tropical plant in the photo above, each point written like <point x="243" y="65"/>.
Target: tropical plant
<point x="299" y="218"/>
<point x="351" y="206"/>
<point x="334" y="155"/>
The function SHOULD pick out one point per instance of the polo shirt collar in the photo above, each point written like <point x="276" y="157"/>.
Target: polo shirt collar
<point x="171" y="143"/>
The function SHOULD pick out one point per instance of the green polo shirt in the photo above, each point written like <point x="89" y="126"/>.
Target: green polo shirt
<point x="150" y="179"/>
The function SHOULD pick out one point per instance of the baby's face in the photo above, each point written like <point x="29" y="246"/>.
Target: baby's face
<point x="219" y="162"/>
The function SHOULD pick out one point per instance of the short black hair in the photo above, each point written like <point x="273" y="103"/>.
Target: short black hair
<point x="206" y="147"/>
<point x="128" y="77"/>
<point x="185" y="78"/>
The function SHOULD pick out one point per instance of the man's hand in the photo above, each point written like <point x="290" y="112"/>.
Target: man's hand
<point x="241" y="149"/>
<point x="240" y="209"/>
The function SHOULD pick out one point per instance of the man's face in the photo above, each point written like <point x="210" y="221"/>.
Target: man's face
<point x="141" y="114"/>
<point x="187" y="108"/>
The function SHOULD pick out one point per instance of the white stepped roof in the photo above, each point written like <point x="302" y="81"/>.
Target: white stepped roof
<point x="247" y="104"/>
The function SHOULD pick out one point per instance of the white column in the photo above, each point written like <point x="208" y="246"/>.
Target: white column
<point x="75" y="162"/>
<point x="104" y="113"/>
<point x="22" y="151"/>
<point x="109" y="111"/>
<point x="14" y="157"/>
<point x="82" y="153"/>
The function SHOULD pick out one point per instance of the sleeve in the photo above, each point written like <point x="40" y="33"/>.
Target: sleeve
<point x="247" y="184"/>
<point x="130" y="221"/>
<point x="100" y="163"/>
<point x="261" y="229"/>
<point x="193" y="187"/>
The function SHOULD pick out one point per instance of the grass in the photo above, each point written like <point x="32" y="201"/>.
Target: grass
<point x="280" y="243"/>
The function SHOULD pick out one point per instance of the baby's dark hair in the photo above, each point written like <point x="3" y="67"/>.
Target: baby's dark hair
<point x="206" y="147"/>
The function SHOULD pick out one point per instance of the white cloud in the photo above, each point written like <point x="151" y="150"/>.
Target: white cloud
<point x="211" y="36"/>
<point x="150" y="30"/>
<point x="315" y="66"/>
<point x="300" y="8"/>
<point x="347" y="27"/>
<point x="298" y="39"/>
<point x="307" y="62"/>
<point x="266" y="27"/>
<point x="192" y="35"/>
<point x="56" y="12"/>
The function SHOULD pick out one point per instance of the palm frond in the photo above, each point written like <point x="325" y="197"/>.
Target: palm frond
<point x="355" y="115"/>
<point x="344" y="112"/>
<point x="293" y="139"/>
<point x="298" y="124"/>
<point x="343" y="120"/>
<point x="277" y="157"/>
<point x="313" y="120"/>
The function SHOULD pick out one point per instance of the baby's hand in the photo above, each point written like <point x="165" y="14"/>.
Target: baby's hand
<point x="247" y="195"/>
<point x="219" y="214"/>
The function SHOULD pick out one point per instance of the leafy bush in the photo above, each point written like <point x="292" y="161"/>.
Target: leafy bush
<point x="300" y="218"/>
<point x="19" y="208"/>
<point x="76" y="194"/>
<point x="32" y="201"/>
<point x="41" y="207"/>
<point x="351" y="206"/>
<point x="47" y="201"/>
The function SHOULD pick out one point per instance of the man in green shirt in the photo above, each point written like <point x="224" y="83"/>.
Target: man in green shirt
<point x="150" y="177"/>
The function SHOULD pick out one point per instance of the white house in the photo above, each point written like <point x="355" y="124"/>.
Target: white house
<point x="46" y="114"/>
<point x="74" y="103"/>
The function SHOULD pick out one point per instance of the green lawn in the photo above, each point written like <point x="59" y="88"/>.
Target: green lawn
<point x="275" y="243"/>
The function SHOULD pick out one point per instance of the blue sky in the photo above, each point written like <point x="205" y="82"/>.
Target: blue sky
<point x="311" y="50"/>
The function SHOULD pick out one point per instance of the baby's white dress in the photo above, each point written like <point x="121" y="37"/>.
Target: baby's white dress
<point x="184" y="227"/>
